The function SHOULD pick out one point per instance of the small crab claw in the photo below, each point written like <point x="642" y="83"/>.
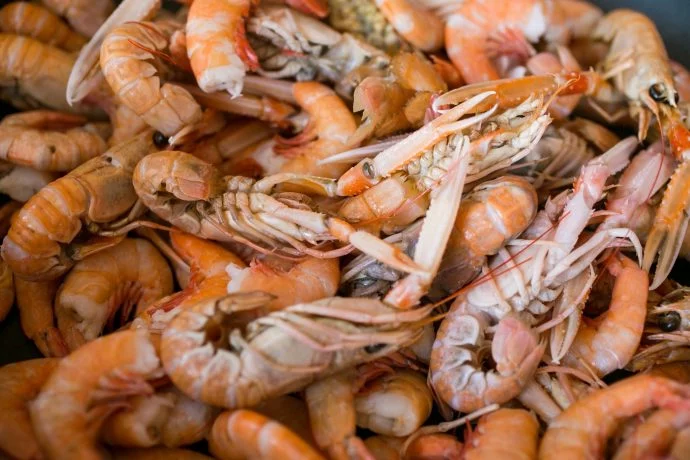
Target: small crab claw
<point x="368" y="173"/>
<point x="670" y="224"/>
<point x="86" y="75"/>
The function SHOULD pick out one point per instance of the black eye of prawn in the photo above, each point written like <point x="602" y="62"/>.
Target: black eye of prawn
<point x="159" y="140"/>
<point x="371" y="349"/>
<point x="368" y="170"/>
<point x="670" y="321"/>
<point x="676" y="97"/>
<point x="657" y="92"/>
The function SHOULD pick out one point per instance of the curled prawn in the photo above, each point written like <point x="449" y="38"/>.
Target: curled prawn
<point x="24" y="18"/>
<point x="583" y="429"/>
<point x="39" y="244"/>
<point x="608" y="342"/>
<point x="331" y="123"/>
<point x="87" y="386"/>
<point x="125" y="58"/>
<point x="19" y="384"/>
<point x="244" y="434"/>
<point x="49" y="141"/>
<point x="106" y="288"/>
<point x="419" y="26"/>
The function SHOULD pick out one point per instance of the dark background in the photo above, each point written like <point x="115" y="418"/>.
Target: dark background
<point x="672" y="17"/>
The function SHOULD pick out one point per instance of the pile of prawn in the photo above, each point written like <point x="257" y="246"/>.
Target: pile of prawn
<point x="367" y="229"/>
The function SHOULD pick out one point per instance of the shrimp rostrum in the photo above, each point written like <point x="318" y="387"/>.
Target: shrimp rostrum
<point x="211" y="360"/>
<point x="190" y="194"/>
<point x="42" y="241"/>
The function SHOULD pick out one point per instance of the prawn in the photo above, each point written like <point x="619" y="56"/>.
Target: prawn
<point x="40" y="243"/>
<point x="610" y="341"/>
<point x="24" y="18"/>
<point x="21" y="183"/>
<point x="424" y="447"/>
<point x="655" y="436"/>
<point x="503" y="434"/>
<point x="38" y="139"/>
<point x="245" y="434"/>
<point x="508" y="301"/>
<point x="110" y="285"/>
<point x="125" y="58"/>
<point x="86" y="387"/>
<point x="330" y="125"/>
<point x="85" y="16"/>
<point x="574" y="435"/>
<point x="35" y="305"/>
<point x="19" y="384"/>
<point x="284" y="351"/>
<point x="481" y="29"/>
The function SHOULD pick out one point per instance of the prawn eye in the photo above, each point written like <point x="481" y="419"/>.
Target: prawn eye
<point x="657" y="92"/>
<point x="159" y="140"/>
<point x="676" y="97"/>
<point x="670" y="321"/>
<point x="368" y="170"/>
<point x="371" y="349"/>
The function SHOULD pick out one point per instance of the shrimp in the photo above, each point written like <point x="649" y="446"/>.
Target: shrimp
<point x="583" y="429"/>
<point x="612" y="338"/>
<point x="35" y="305"/>
<point x="638" y="62"/>
<point x="19" y="384"/>
<point x="424" y="447"/>
<point x="35" y="74"/>
<point x="39" y="244"/>
<point x="479" y="30"/>
<point x="104" y="289"/>
<point x="330" y="125"/>
<point x="86" y="387"/>
<point x="511" y="301"/>
<point x="244" y="434"/>
<point x="38" y="139"/>
<point x="217" y="46"/>
<point x="224" y="211"/>
<point x="168" y="108"/>
<point x="395" y="404"/>
<point x="489" y="216"/>
<point x="421" y="27"/>
<point x="331" y="406"/>
<point x="279" y="353"/>
<point x="21" y="183"/>
<point x="24" y="18"/>
<point x="86" y="16"/>
<point x="503" y="434"/>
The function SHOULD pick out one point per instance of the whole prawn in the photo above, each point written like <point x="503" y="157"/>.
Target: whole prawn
<point x="39" y="244"/>
<point x="24" y="18"/>
<point x="105" y="289"/>
<point x="19" y="384"/>
<point x="455" y="372"/>
<point x="125" y="58"/>
<point x="86" y="387"/>
<point x="323" y="337"/>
